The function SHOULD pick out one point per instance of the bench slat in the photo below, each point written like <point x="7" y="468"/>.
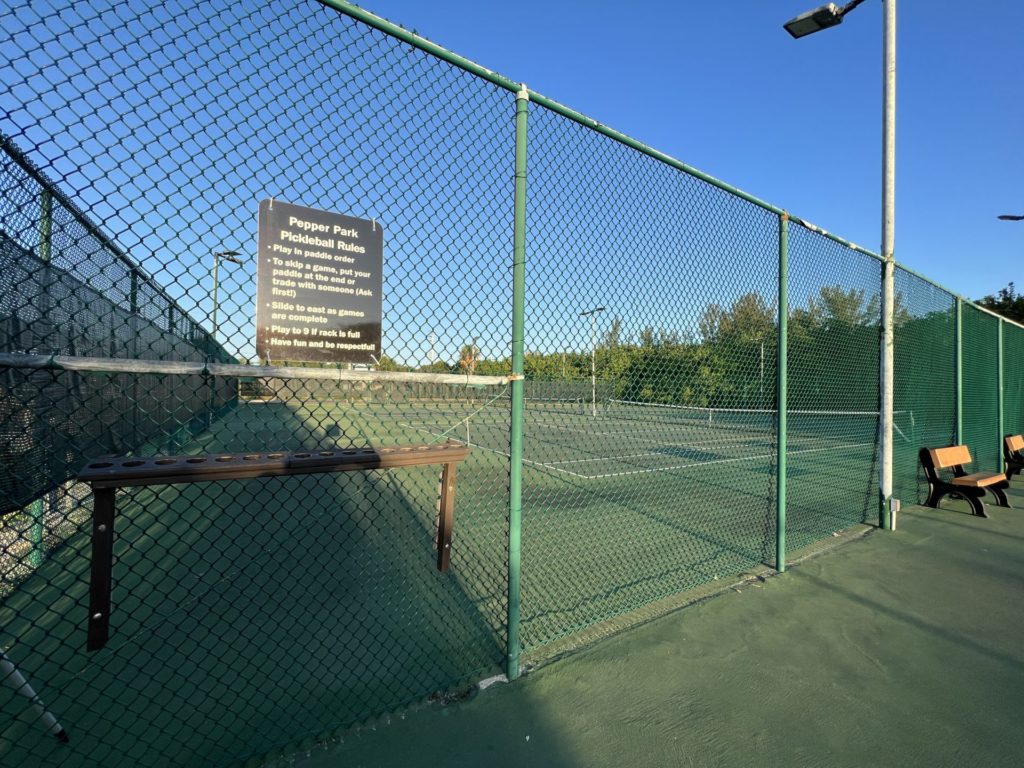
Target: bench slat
<point x="978" y="480"/>
<point x="951" y="456"/>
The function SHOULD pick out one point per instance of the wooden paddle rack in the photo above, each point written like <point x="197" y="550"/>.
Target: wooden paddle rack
<point x="107" y="475"/>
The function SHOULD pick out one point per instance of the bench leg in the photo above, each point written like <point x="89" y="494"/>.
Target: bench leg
<point x="446" y="517"/>
<point x="1000" y="493"/>
<point x="935" y="495"/>
<point x="977" y="505"/>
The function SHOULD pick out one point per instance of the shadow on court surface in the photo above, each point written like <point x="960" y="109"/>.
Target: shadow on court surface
<point x="248" y="611"/>
<point x="900" y="648"/>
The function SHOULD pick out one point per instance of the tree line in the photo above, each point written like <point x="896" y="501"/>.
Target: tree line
<point x="729" y="361"/>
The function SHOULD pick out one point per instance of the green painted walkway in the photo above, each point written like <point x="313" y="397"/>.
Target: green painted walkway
<point x="901" y="649"/>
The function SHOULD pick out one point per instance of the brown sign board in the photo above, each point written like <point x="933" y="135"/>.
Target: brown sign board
<point x="318" y="291"/>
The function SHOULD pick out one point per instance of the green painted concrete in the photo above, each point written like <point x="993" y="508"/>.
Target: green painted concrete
<point x="898" y="649"/>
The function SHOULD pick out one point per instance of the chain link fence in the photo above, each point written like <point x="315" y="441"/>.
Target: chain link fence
<point x="612" y="353"/>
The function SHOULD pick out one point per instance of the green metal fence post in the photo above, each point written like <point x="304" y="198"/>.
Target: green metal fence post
<point x="782" y="394"/>
<point x="959" y="371"/>
<point x="1001" y="417"/>
<point x="37" y="509"/>
<point x="515" y="512"/>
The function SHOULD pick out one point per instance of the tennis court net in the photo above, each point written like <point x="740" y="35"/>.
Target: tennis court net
<point x="862" y="425"/>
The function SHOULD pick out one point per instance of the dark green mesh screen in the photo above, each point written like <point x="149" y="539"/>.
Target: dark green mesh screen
<point x="834" y="324"/>
<point x="1013" y="379"/>
<point x="981" y="388"/>
<point x="925" y="380"/>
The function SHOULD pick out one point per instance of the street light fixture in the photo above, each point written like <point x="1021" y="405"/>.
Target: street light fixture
<point x="826" y="16"/>
<point x="592" y="313"/>
<point x="814" y="21"/>
<point x="231" y="256"/>
<point x="1010" y="217"/>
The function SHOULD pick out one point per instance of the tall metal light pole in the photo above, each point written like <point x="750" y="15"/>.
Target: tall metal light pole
<point x="592" y="313"/>
<point x="814" y="21"/>
<point x="231" y="256"/>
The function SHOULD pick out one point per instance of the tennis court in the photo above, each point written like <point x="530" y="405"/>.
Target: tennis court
<point x="585" y="441"/>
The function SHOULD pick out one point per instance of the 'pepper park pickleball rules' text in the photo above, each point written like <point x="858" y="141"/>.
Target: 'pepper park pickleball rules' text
<point x="318" y="293"/>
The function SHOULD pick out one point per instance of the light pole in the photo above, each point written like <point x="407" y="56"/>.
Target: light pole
<point x="592" y="314"/>
<point x="231" y="256"/>
<point x="814" y="21"/>
<point x="761" y="388"/>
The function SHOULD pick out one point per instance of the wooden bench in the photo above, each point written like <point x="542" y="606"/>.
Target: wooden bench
<point x="1013" y="455"/>
<point x="107" y="475"/>
<point x="971" y="487"/>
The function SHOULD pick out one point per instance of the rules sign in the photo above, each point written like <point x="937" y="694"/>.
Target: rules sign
<point x="318" y="286"/>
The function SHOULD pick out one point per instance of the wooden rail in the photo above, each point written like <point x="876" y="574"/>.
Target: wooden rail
<point x="107" y="475"/>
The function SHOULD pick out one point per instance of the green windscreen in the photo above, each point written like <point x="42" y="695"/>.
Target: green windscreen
<point x="981" y="388"/>
<point x="925" y="379"/>
<point x="1013" y="379"/>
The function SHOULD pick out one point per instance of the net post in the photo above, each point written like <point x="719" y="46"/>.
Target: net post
<point x="782" y="395"/>
<point x="515" y="512"/>
<point x="959" y="371"/>
<point x="1000" y="396"/>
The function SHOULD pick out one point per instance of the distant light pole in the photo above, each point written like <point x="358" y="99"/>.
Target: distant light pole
<point x="231" y="256"/>
<point x="592" y="314"/>
<point x="761" y="396"/>
<point x="814" y="21"/>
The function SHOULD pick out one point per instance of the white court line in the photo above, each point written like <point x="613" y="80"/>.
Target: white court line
<point x="724" y="461"/>
<point x="668" y="445"/>
<point x="633" y="435"/>
<point x="501" y="453"/>
<point x="652" y="469"/>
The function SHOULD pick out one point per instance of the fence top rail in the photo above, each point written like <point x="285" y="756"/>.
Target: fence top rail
<point x="181" y="368"/>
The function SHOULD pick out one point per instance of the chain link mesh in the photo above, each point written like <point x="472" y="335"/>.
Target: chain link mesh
<point x="668" y="287"/>
<point x="248" y="615"/>
<point x="833" y="387"/>
<point x="256" y="616"/>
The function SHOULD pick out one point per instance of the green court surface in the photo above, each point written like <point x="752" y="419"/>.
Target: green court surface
<point x="897" y="649"/>
<point x="303" y="604"/>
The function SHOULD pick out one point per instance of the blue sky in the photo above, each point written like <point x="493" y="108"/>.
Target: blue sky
<point x="721" y="86"/>
<point x="168" y="124"/>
